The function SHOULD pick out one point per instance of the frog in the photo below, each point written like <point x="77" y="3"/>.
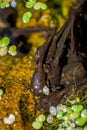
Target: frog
<point x="62" y="59"/>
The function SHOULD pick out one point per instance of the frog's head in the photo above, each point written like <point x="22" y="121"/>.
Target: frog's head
<point x="37" y="83"/>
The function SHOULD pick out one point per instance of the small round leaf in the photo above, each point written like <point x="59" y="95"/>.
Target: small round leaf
<point x="43" y="6"/>
<point x="12" y="50"/>
<point x="29" y="4"/>
<point x="81" y="121"/>
<point x="5" y="41"/>
<point x="26" y="17"/>
<point x="37" y="6"/>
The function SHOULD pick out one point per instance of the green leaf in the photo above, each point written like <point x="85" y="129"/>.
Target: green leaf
<point x="33" y="1"/>
<point x="37" y="124"/>
<point x="5" y="41"/>
<point x="67" y="117"/>
<point x="7" y="5"/>
<point x="1" y="44"/>
<point x="12" y="50"/>
<point x="37" y="6"/>
<point x="74" y="115"/>
<point x="68" y="110"/>
<point x="26" y="17"/>
<point x="43" y="6"/>
<point x="1" y="92"/>
<point x="81" y="121"/>
<point x="84" y="113"/>
<point x="60" y="115"/>
<point x="3" y="5"/>
<point x="40" y="5"/>
<point x="29" y="4"/>
<point x="77" y="108"/>
<point x="41" y="118"/>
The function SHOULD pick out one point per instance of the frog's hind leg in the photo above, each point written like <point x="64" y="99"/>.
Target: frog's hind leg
<point x="42" y="51"/>
<point x="52" y="50"/>
<point x="56" y="68"/>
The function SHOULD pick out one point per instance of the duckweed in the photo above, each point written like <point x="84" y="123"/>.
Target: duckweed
<point x="81" y="121"/>
<point x="40" y="5"/>
<point x="70" y="117"/>
<point x="5" y="41"/>
<point x="4" y="4"/>
<point x="74" y="115"/>
<point x="29" y="4"/>
<point x="41" y="118"/>
<point x="26" y="17"/>
<point x="84" y="113"/>
<point x="1" y="92"/>
<point x="60" y="115"/>
<point x="77" y="108"/>
<point x="68" y="110"/>
<point x="4" y="48"/>
<point x="37" y="125"/>
<point x="12" y="50"/>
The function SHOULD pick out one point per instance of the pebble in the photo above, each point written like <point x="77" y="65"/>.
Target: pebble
<point x="53" y="110"/>
<point x="9" y="120"/>
<point x="46" y="90"/>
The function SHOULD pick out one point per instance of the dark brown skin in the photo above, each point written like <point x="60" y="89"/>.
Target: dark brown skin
<point x="62" y="59"/>
<point x="38" y="82"/>
<point x="45" y="102"/>
<point x="57" y="97"/>
<point x="72" y="73"/>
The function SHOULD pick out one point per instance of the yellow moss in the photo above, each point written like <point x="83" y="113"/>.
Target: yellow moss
<point x="17" y="73"/>
<point x="36" y="39"/>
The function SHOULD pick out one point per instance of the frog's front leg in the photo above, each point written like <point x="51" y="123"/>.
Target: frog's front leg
<point x="52" y="99"/>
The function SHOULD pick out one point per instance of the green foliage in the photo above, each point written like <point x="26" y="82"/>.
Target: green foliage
<point x="37" y="124"/>
<point x="5" y="48"/>
<point x="40" y="5"/>
<point x="81" y="121"/>
<point x="26" y="17"/>
<point x="12" y="50"/>
<point x="4" y="4"/>
<point x="35" y="5"/>
<point x="29" y="4"/>
<point x="5" y="41"/>
<point x="69" y="117"/>
<point x="1" y="92"/>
